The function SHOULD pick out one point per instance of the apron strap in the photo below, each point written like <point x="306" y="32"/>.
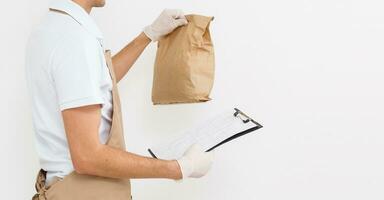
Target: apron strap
<point x="59" y="11"/>
<point x="64" y="13"/>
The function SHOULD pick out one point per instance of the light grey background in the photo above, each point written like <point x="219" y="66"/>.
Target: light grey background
<point x="310" y="71"/>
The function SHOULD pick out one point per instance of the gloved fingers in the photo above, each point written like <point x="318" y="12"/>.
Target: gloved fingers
<point x="210" y="155"/>
<point x="196" y="162"/>
<point x="196" y="148"/>
<point x="182" y="16"/>
<point x="180" y="22"/>
<point x="205" y="164"/>
<point x="175" y="13"/>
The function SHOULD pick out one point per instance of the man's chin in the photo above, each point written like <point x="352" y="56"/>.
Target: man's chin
<point x="99" y="4"/>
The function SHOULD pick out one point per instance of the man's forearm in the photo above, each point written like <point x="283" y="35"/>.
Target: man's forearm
<point x="124" y="60"/>
<point x="115" y="163"/>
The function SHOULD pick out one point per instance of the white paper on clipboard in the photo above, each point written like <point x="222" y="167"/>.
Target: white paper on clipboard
<point x="208" y="134"/>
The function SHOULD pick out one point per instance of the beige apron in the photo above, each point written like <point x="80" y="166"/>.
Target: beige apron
<point x="84" y="187"/>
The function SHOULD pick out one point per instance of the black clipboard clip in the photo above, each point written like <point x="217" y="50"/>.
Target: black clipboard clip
<point x="238" y="113"/>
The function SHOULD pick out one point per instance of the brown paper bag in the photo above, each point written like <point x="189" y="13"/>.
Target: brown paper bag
<point x="185" y="64"/>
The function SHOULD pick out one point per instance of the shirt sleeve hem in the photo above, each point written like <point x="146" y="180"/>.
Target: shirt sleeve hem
<point x="92" y="100"/>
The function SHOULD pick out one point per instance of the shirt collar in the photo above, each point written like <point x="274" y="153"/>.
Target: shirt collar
<point x="78" y="14"/>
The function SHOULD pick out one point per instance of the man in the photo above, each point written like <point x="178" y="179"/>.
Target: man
<point x="76" y="108"/>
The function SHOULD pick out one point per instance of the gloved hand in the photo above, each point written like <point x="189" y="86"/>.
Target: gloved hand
<point x="195" y="163"/>
<point x="167" y="21"/>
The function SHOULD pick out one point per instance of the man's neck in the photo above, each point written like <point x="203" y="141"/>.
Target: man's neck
<point x="84" y="4"/>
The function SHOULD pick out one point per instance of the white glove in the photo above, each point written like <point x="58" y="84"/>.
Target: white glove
<point x="167" y="21"/>
<point x="195" y="163"/>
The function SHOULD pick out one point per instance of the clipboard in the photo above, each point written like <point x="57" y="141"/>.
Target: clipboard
<point x="209" y="134"/>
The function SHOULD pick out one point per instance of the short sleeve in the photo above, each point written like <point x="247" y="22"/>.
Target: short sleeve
<point x="76" y="73"/>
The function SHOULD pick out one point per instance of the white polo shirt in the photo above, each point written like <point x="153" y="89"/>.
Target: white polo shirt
<point x="65" y="68"/>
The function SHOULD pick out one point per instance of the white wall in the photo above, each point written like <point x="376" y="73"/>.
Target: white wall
<point x="310" y="71"/>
